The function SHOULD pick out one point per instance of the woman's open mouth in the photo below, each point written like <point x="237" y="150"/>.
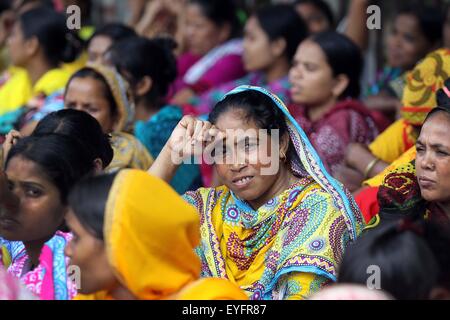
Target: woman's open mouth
<point x="242" y="182"/>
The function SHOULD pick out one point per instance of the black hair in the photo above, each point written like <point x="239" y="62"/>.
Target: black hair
<point x="442" y="101"/>
<point x="140" y="57"/>
<point x="79" y="125"/>
<point x="408" y="269"/>
<point x="430" y="20"/>
<point x="437" y="237"/>
<point x="59" y="44"/>
<point x="5" y="5"/>
<point x="322" y="6"/>
<point x="344" y="57"/>
<point x="88" y="200"/>
<point x="88" y="72"/>
<point x="257" y="107"/>
<point x="221" y="12"/>
<point x="63" y="159"/>
<point x="114" y="31"/>
<point x="442" y="98"/>
<point x="282" y="21"/>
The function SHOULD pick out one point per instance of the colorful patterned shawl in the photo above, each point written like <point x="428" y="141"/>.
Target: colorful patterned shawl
<point x="303" y="230"/>
<point x="50" y="279"/>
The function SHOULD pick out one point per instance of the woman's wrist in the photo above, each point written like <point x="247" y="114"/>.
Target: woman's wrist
<point x="369" y="168"/>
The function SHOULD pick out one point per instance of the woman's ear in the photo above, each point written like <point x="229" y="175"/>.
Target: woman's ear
<point x="143" y="86"/>
<point x="341" y="83"/>
<point x="284" y="145"/>
<point x="98" y="166"/>
<point x="278" y="47"/>
<point x="31" y="46"/>
<point x="224" y="33"/>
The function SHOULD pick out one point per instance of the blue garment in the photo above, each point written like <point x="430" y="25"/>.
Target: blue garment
<point x="154" y="134"/>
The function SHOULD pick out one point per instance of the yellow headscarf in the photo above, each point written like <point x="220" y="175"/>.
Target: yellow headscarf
<point x="150" y="234"/>
<point x="422" y="83"/>
<point x="121" y="94"/>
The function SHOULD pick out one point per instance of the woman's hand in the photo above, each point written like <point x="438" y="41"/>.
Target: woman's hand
<point x="190" y="138"/>
<point x="352" y="179"/>
<point x="10" y="140"/>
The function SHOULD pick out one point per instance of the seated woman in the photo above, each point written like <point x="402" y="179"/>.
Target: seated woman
<point x="271" y="37"/>
<point x="150" y="67"/>
<point x="213" y="52"/>
<point x="395" y="143"/>
<point x="280" y="223"/>
<point x="416" y="31"/>
<point x="104" y="94"/>
<point x="104" y="38"/>
<point x="420" y="189"/>
<point x="39" y="44"/>
<point x="325" y="86"/>
<point x="40" y="170"/>
<point x="134" y="238"/>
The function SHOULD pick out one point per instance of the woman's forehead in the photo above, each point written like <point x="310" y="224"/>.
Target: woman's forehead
<point x="25" y="170"/>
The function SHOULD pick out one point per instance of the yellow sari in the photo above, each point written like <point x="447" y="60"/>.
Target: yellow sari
<point x="291" y="246"/>
<point x="419" y="97"/>
<point x="18" y="91"/>
<point x="150" y="236"/>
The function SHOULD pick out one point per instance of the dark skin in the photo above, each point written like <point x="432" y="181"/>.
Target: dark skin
<point x="433" y="161"/>
<point x="351" y="172"/>
<point x="256" y="188"/>
<point x="38" y="212"/>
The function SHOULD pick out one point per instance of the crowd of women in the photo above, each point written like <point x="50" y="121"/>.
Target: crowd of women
<point x="94" y="204"/>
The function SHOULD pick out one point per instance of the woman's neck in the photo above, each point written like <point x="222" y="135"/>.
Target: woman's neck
<point x="36" y="69"/>
<point x="277" y="70"/>
<point x="144" y="111"/>
<point x="33" y="249"/>
<point x="316" y="112"/>
<point x="284" y="180"/>
<point x="122" y="293"/>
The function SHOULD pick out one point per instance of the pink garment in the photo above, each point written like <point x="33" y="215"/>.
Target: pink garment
<point x="348" y="122"/>
<point x="11" y="289"/>
<point x="41" y="281"/>
<point x="222" y="64"/>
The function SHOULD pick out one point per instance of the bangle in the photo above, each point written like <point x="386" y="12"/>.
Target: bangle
<point x="370" y="167"/>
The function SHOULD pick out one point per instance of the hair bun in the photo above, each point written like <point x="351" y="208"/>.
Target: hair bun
<point x="443" y="95"/>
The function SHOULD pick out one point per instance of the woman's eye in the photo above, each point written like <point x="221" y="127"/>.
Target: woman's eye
<point x="442" y="153"/>
<point x="33" y="192"/>
<point x="309" y="67"/>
